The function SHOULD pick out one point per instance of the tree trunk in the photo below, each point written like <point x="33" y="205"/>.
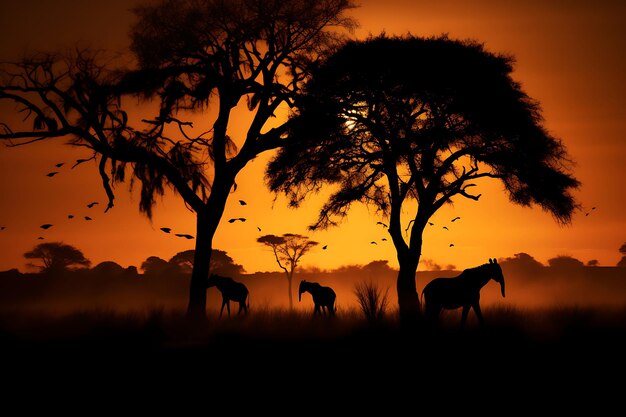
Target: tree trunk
<point x="289" y="279"/>
<point x="201" y="264"/>
<point x="207" y="221"/>
<point x="408" y="299"/>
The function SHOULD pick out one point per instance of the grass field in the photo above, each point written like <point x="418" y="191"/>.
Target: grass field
<point x="271" y="351"/>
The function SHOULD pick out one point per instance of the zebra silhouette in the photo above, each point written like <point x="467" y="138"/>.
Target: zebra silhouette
<point x="461" y="291"/>
<point x="323" y="297"/>
<point x="231" y="291"/>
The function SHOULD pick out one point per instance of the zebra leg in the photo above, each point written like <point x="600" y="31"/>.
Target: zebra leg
<point x="228" y="307"/>
<point x="222" y="309"/>
<point x="316" y="310"/>
<point x="464" y="315"/>
<point x="479" y="313"/>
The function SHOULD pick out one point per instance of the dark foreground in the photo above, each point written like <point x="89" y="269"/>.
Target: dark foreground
<point x="565" y="357"/>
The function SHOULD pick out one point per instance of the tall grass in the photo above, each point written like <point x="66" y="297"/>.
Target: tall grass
<point x="372" y="300"/>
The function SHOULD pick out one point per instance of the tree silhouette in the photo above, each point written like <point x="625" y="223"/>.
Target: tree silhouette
<point x="57" y="257"/>
<point x="192" y="55"/>
<point x="221" y="262"/>
<point x="154" y="265"/>
<point x="288" y="250"/>
<point x="405" y="118"/>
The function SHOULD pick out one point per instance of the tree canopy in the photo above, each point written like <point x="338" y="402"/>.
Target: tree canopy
<point x="57" y="257"/>
<point x="392" y="119"/>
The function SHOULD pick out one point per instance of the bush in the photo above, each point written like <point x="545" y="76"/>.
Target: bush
<point x="372" y="300"/>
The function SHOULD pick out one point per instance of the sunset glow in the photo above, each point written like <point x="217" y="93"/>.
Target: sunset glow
<point x="569" y="58"/>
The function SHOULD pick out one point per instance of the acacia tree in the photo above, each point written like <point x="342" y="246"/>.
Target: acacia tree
<point x="191" y="55"/>
<point x="393" y="119"/>
<point x="221" y="262"/>
<point x="57" y="257"/>
<point x="288" y="249"/>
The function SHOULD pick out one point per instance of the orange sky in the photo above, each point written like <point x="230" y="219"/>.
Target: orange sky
<point x="570" y="56"/>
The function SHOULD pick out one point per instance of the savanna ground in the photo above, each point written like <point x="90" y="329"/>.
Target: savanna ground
<point x="560" y="354"/>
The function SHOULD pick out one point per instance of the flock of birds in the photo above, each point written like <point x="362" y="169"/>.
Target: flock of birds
<point x="406" y="231"/>
<point x="168" y="230"/>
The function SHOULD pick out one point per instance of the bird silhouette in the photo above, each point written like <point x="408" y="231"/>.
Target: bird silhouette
<point x="593" y="208"/>
<point x="445" y="227"/>
<point x="431" y="223"/>
<point x="241" y="219"/>
<point x="373" y="243"/>
<point x="60" y="164"/>
<point x="46" y="226"/>
<point x="382" y="224"/>
<point x="78" y="162"/>
<point x="40" y="238"/>
<point x="384" y="239"/>
<point x="88" y="218"/>
<point x="258" y="228"/>
<point x="186" y="236"/>
<point x="243" y="203"/>
<point x="90" y="205"/>
<point x="324" y="247"/>
<point x="51" y="174"/>
<point x="451" y="244"/>
<point x="455" y="219"/>
<point x="2" y="227"/>
<point x="70" y="216"/>
<point x="166" y="229"/>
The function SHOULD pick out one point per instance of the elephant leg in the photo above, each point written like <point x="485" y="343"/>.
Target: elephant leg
<point x="464" y="315"/>
<point x="479" y="314"/>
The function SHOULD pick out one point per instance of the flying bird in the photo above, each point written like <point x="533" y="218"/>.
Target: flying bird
<point x="241" y="219"/>
<point x="384" y="239"/>
<point x="445" y="227"/>
<point x="258" y="228"/>
<point x="593" y="208"/>
<point x="90" y="205"/>
<point x="88" y="218"/>
<point x="46" y="226"/>
<point x="60" y="164"/>
<point x="2" y="227"/>
<point x="51" y="174"/>
<point x="324" y="247"/>
<point x="79" y="161"/>
<point x="451" y="244"/>
<point x="243" y="203"/>
<point x="186" y="236"/>
<point x="70" y="216"/>
<point x="431" y="223"/>
<point x="455" y="219"/>
<point x="166" y="229"/>
<point x="382" y="224"/>
<point x="373" y="243"/>
<point x="40" y="238"/>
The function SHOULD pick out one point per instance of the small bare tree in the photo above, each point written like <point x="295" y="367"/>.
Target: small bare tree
<point x="288" y="249"/>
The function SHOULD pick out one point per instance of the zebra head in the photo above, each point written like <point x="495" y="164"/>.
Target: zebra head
<point x="496" y="273"/>
<point x="301" y="289"/>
